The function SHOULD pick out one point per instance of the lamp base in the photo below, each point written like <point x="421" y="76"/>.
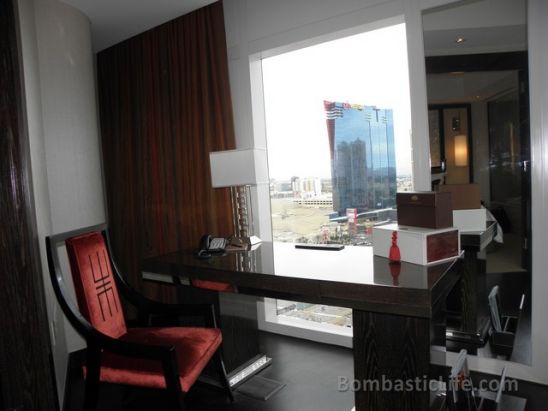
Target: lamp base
<point x="254" y="240"/>
<point x="245" y="241"/>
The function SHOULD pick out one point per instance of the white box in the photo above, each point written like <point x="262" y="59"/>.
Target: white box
<point x="470" y="220"/>
<point x="417" y="245"/>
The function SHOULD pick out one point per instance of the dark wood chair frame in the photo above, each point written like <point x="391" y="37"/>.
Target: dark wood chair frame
<point x="97" y="341"/>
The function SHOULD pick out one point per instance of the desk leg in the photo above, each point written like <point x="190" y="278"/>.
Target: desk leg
<point x="469" y="303"/>
<point x="390" y="348"/>
<point x="239" y="327"/>
<point x="475" y="309"/>
<point x="237" y="314"/>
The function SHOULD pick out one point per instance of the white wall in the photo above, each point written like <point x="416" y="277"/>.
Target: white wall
<point x="40" y="182"/>
<point x="259" y="26"/>
<point x="58" y="66"/>
<point x="538" y="69"/>
<point x="69" y="116"/>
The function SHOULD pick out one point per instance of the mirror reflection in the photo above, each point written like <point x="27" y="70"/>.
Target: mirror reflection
<point x="478" y="115"/>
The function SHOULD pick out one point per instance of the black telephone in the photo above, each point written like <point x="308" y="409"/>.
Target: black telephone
<point x="211" y="245"/>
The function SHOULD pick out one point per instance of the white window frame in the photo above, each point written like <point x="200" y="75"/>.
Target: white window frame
<point x="266" y="310"/>
<point x="294" y="327"/>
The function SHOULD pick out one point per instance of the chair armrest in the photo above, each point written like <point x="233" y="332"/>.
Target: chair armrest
<point x="207" y="311"/>
<point x="165" y="354"/>
<point x="146" y="306"/>
<point x="202" y="309"/>
<point x="132" y="349"/>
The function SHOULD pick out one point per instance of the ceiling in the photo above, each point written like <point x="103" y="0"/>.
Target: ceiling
<point x="486" y="26"/>
<point x="476" y="40"/>
<point x="113" y="21"/>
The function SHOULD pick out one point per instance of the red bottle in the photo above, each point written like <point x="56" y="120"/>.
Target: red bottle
<point x="394" y="254"/>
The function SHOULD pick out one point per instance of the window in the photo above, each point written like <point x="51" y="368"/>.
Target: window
<point x="338" y="136"/>
<point x="338" y="123"/>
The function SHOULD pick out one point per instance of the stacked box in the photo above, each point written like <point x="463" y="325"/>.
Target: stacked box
<point x="463" y="196"/>
<point x="428" y="209"/>
<point x="418" y="245"/>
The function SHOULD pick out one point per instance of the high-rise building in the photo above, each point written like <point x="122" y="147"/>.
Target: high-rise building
<point x="363" y="160"/>
<point x="307" y="187"/>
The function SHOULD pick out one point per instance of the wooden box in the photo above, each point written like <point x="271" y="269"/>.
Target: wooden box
<point x="428" y="209"/>
<point x="463" y="196"/>
<point x="417" y="245"/>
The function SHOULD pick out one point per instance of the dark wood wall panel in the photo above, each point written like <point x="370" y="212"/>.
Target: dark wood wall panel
<point x="165" y="103"/>
<point x="26" y="371"/>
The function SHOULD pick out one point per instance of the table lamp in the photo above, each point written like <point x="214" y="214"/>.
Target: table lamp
<point x="240" y="169"/>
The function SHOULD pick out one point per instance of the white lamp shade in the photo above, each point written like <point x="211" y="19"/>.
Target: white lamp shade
<point x="238" y="167"/>
<point x="461" y="150"/>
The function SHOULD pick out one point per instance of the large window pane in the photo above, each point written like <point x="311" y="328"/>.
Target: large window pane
<point x="338" y="136"/>
<point x="339" y="147"/>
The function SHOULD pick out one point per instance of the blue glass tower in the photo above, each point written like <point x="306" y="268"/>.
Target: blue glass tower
<point x="363" y="160"/>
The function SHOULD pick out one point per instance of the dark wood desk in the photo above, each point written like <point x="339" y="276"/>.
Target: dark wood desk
<point x="396" y="310"/>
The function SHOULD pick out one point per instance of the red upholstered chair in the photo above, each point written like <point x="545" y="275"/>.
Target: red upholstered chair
<point x="171" y="358"/>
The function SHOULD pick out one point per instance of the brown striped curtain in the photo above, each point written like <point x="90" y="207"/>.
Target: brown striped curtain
<point x="164" y="101"/>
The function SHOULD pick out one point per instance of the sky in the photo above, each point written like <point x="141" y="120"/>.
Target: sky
<point x="369" y="69"/>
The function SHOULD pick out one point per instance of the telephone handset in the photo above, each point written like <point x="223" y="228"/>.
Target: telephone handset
<point x="211" y="245"/>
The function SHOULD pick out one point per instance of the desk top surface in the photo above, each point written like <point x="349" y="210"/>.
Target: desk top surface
<point x="352" y="277"/>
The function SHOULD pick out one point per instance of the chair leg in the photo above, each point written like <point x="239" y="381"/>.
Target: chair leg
<point x="126" y="397"/>
<point x="93" y="368"/>
<point x="173" y="385"/>
<point x="222" y="375"/>
<point x="176" y="400"/>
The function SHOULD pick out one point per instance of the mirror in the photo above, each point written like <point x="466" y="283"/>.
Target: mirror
<point x="478" y="101"/>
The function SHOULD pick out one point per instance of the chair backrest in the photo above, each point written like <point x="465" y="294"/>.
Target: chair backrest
<point x="95" y="286"/>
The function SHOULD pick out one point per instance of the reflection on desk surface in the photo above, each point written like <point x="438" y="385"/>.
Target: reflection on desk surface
<point x="352" y="265"/>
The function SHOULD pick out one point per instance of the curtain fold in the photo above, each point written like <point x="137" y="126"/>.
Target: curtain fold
<point x="164" y="102"/>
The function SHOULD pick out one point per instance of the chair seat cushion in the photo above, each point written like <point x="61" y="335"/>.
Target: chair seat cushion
<point x="194" y="347"/>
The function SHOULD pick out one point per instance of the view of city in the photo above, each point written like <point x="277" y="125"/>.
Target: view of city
<point x="361" y="191"/>
<point x="302" y="212"/>
<point x="322" y="314"/>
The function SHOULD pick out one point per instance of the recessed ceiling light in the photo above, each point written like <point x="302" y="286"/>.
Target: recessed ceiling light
<point x="460" y="40"/>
